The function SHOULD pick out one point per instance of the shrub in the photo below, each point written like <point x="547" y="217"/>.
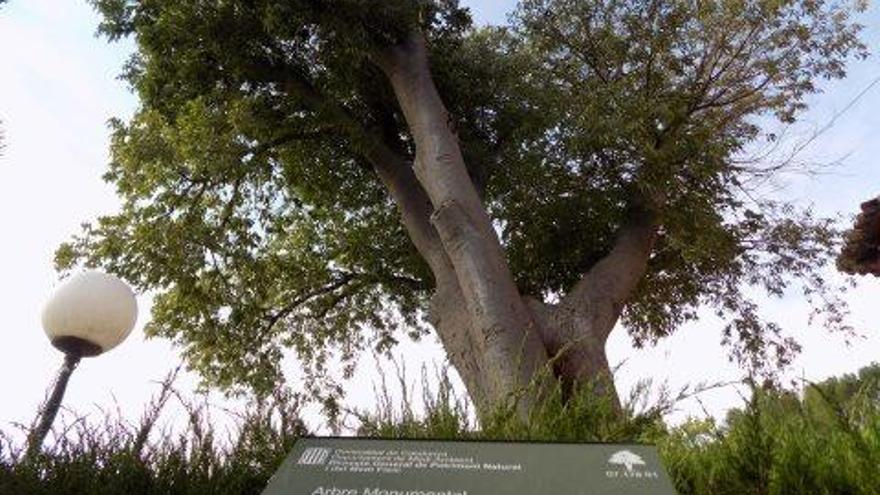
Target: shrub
<point x="777" y="443"/>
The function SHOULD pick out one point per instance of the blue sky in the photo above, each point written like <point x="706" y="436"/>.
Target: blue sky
<point x="58" y="87"/>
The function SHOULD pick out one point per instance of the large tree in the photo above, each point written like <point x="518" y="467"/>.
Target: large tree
<point x="329" y="176"/>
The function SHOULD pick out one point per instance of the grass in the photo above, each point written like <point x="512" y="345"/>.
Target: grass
<point x="114" y="457"/>
<point x="777" y="443"/>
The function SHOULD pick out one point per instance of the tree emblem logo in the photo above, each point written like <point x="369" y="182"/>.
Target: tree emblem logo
<point x="627" y="459"/>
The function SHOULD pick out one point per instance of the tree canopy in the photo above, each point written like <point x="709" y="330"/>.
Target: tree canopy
<point x="840" y="389"/>
<point x="270" y="201"/>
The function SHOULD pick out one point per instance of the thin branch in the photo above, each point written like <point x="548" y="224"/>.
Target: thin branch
<point x="342" y="281"/>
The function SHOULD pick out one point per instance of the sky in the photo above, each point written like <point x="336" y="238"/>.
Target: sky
<point x="58" y="88"/>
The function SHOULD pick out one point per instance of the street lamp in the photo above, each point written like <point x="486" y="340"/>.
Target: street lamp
<point x="90" y="314"/>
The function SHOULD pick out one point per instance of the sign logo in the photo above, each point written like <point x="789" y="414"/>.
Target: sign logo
<point x="626" y="458"/>
<point x="314" y="456"/>
<point x="632" y="466"/>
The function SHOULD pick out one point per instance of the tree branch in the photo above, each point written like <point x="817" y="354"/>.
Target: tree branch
<point x="604" y="289"/>
<point x="394" y="170"/>
<point x="328" y="288"/>
<point x="503" y="324"/>
<point x="397" y="173"/>
<point x="286" y="137"/>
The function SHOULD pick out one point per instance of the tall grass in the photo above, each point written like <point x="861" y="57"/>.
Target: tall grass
<point x="776" y="443"/>
<point x="115" y="457"/>
<point x="779" y="445"/>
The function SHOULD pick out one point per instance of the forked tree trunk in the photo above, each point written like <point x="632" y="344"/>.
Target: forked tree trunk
<point x="573" y="362"/>
<point x="503" y="345"/>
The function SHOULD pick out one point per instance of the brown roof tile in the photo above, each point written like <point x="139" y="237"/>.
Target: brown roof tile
<point x="861" y="250"/>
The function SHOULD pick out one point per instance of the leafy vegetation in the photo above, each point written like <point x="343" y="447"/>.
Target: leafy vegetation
<point x="827" y="443"/>
<point x="115" y="457"/>
<point x="271" y="203"/>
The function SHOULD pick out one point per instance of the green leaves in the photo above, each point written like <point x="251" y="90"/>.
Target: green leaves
<point x="655" y="102"/>
<point x="252" y="213"/>
<point x="252" y="249"/>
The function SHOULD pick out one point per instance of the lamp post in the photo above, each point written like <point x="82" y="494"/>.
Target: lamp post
<point x="90" y="314"/>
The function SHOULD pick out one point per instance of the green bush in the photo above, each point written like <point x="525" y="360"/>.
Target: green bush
<point x="116" y="458"/>
<point x="826" y="443"/>
<point x="779" y="444"/>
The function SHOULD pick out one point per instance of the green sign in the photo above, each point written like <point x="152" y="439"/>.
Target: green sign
<point x="353" y="466"/>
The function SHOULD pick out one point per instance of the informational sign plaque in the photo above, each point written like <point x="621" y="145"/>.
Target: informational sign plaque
<point x="356" y="466"/>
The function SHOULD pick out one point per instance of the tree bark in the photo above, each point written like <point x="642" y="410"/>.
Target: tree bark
<point x="448" y="308"/>
<point x="504" y="330"/>
<point x="501" y="343"/>
<point x="586" y="316"/>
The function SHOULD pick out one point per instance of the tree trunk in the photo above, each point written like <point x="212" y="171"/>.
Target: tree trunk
<point x="503" y="345"/>
<point x="503" y="331"/>
<point x="574" y="344"/>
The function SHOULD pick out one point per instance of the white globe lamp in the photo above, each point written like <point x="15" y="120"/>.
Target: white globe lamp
<point x="88" y="315"/>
